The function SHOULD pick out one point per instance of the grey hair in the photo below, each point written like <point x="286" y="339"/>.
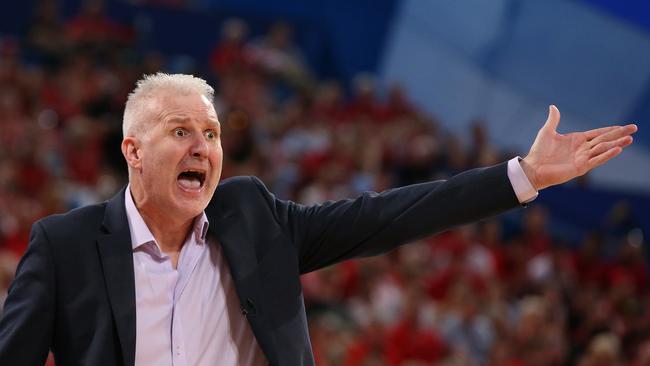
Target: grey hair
<point x="153" y="85"/>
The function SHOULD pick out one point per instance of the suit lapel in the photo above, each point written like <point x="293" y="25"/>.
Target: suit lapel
<point x="116" y="255"/>
<point x="240" y="254"/>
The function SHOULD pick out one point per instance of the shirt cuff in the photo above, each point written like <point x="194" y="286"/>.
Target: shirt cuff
<point x="523" y="189"/>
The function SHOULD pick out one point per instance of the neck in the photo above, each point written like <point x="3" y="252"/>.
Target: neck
<point x="169" y="231"/>
<point x="169" y="234"/>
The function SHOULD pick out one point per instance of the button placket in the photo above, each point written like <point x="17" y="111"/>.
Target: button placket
<point x="178" y="345"/>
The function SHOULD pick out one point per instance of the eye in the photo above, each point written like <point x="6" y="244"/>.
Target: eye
<point x="179" y="132"/>
<point x="211" y="134"/>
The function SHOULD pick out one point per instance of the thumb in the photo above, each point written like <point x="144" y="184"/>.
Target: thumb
<point x="553" y="119"/>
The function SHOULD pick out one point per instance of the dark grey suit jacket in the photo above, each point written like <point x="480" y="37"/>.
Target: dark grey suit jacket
<point x="74" y="290"/>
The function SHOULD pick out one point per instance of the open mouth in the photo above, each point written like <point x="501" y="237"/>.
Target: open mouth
<point x="191" y="179"/>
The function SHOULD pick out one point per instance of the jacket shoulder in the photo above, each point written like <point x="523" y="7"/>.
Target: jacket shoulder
<point x="241" y="193"/>
<point x="240" y="187"/>
<point x="74" y="223"/>
<point x="238" y="183"/>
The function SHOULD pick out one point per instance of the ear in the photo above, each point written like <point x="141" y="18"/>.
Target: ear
<point x="131" y="151"/>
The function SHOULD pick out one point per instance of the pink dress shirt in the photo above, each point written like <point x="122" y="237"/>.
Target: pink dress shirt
<point x="189" y="315"/>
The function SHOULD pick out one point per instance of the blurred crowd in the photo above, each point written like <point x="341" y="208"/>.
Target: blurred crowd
<point x="500" y="292"/>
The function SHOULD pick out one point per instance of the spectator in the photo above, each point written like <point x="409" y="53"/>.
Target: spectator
<point x="540" y="302"/>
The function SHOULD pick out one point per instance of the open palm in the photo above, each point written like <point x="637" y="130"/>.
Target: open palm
<point x="556" y="158"/>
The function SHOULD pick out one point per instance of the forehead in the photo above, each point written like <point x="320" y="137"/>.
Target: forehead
<point x="179" y="106"/>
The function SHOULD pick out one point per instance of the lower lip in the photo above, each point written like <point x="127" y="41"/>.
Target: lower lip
<point x="190" y="191"/>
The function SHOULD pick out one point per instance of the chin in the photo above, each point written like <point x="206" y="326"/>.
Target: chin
<point x="189" y="211"/>
<point x="188" y="207"/>
<point x="191" y="201"/>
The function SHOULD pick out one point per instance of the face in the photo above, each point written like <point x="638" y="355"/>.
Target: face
<point x="176" y="163"/>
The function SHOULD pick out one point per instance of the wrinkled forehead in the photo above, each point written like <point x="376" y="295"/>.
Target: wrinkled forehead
<point x="170" y="104"/>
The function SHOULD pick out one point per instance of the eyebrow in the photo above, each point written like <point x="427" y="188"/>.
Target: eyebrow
<point x="182" y="121"/>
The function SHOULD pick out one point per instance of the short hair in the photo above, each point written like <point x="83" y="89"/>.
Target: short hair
<point x="154" y="85"/>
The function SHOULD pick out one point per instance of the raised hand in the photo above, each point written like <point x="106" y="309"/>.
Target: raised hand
<point x="555" y="158"/>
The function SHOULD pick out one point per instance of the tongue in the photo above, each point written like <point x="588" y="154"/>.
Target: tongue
<point x="189" y="183"/>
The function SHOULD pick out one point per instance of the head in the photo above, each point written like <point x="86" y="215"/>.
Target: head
<point x="280" y="35"/>
<point x="172" y="144"/>
<point x="93" y="8"/>
<point x="234" y="30"/>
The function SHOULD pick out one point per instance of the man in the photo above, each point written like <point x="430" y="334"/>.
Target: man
<point x="175" y="270"/>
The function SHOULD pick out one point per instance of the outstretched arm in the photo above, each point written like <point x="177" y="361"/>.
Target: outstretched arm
<point x="556" y="158"/>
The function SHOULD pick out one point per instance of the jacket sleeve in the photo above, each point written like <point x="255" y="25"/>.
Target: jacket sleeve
<point x="374" y="223"/>
<point x="27" y="322"/>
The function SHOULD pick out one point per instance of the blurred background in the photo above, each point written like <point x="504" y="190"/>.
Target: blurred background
<point x="324" y="100"/>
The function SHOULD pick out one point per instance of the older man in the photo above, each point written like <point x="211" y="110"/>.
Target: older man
<point x="175" y="270"/>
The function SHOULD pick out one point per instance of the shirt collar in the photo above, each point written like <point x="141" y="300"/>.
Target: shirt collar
<point x="201" y="225"/>
<point x="140" y="233"/>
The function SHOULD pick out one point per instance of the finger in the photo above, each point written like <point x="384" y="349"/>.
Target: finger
<point x="598" y="131"/>
<point x="553" y="119"/>
<point x="604" y="157"/>
<point x="604" y="146"/>
<point x="614" y="134"/>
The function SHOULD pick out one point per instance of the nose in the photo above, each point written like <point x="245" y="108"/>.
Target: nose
<point x="199" y="148"/>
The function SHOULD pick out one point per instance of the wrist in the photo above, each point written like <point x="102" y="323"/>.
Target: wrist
<point x="529" y="169"/>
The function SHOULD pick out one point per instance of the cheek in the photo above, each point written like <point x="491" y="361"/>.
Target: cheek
<point x="158" y="167"/>
<point x="154" y="176"/>
<point x="216" y="159"/>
